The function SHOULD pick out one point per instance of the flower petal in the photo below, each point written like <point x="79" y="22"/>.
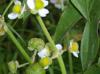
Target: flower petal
<point x="59" y="47"/>
<point x="12" y="16"/>
<point x="23" y="9"/>
<point x="17" y="2"/>
<point x="45" y="2"/>
<point x="43" y="53"/>
<point x="53" y="1"/>
<point x="43" y="12"/>
<point x="31" y="4"/>
<point x="75" y="54"/>
<point x="46" y="67"/>
<point x="58" y="6"/>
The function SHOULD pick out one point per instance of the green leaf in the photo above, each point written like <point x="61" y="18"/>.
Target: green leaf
<point x="90" y="9"/>
<point x="68" y="19"/>
<point x="84" y="6"/>
<point x="93" y="70"/>
<point x="89" y="44"/>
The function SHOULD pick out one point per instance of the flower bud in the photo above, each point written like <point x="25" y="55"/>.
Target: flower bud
<point x="35" y="44"/>
<point x="35" y="69"/>
<point x="13" y="66"/>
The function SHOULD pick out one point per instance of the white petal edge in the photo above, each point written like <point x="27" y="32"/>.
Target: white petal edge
<point x="31" y="4"/>
<point x="59" y="47"/>
<point x="43" y="12"/>
<point x="53" y="1"/>
<point x="45" y="2"/>
<point x="75" y="54"/>
<point x="17" y="2"/>
<point x="46" y="67"/>
<point x="58" y="6"/>
<point x="43" y="53"/>
<point x="12" y="16"/>
<point x="23" y="9"/>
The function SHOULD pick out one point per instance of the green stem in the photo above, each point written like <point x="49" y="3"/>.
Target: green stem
<point x="18" y="45"/>
<point x="51" y="70"/>
<point x="23" y="65"/>
<point x="60" y="60"/>
<point x="7" y="8"/>
<point x="70" y="63"/>
<point x="62" y="5"/>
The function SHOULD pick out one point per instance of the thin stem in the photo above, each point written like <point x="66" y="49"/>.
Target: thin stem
<point x="62" y="5"/>
<point x="70" y="62"/>
<point x="60" y="60"/>
<point x="18" y="45"/>
<point x="23" y="65"/>
<point x="7" y="8"/>
<point x="51" y="70"/>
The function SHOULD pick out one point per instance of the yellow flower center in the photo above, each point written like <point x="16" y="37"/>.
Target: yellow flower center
<point x="17" y="8"/>
<point x="39" y="4"/>
<point x="45" y="61"/>
<point x="74" y="47"/>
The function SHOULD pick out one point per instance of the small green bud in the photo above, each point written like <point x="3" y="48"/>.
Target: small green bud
<point x="35" y="44"/>
<point x="12" y="65"/>
<point x="35" y="69"/>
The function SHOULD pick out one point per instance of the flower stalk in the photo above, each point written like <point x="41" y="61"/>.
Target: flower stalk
<point x="70" y="62"/>
<point x="60" y="60"/>
<point x="18" y="45"/>
<point x="12" y="37"/>
<point x="7" y="8"/>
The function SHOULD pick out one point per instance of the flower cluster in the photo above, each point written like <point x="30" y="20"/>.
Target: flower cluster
<point x="34" y="6"/>
<point x="44" y="51"/>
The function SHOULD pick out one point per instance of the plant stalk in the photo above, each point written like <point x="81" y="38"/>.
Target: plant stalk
<point x="18" y="45"/>
<point x="60" y="60"/>
<point x="12" y="37"/>
<point x="70" y="62"/>
<point x="7" y="7"/>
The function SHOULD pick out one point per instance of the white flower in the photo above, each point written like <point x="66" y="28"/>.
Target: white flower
<point x="17" y="10"/>
<point x="38" y="6"/>
<point x="73" y="48"/>
<point x="46" y="52"/>
<point x="57" y="3"/>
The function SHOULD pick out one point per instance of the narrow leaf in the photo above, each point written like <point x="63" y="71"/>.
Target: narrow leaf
<point x="68" y="19"/>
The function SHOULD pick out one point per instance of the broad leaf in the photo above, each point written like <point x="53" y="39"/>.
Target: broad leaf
<point x="84" y="6"/>
<point x="68" y="19"/>
<point x="90" y="9"/>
